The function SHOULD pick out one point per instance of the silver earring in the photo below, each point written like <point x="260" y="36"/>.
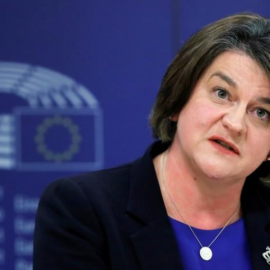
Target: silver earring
<point x="171" y="117"/>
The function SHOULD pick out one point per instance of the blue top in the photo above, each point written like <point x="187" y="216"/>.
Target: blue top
<point x="230" y="250"/>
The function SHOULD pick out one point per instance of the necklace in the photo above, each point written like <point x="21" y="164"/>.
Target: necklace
<point x="205" y="251"/>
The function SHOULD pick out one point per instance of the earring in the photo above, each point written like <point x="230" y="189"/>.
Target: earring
<point x="268" y="158"/>
<point x="171" y="117"/>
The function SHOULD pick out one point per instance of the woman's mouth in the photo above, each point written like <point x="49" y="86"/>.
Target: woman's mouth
<point x="223" y="144"/>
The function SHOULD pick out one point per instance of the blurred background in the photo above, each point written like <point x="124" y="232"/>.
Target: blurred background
<point x="77" y="82"/>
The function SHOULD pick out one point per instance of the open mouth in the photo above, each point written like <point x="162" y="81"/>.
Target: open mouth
<point x="226" y="145"/>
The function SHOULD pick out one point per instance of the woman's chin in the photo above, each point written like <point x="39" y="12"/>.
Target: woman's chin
<point x="217" y="172"/>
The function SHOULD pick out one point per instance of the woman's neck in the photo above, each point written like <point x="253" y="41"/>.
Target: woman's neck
<point x="204" y="203"/>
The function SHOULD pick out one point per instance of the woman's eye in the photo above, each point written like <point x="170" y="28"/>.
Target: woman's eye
<point x="222" y="94"/>
<point x="262" y="113"/>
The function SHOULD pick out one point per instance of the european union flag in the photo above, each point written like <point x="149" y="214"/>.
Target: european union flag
<point x="59" y="139"/>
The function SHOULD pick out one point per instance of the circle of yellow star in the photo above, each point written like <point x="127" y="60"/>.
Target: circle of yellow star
<point x="42" y="131"/>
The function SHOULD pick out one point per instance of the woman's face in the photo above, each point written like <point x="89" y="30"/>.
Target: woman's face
<point x="223" y="132"/>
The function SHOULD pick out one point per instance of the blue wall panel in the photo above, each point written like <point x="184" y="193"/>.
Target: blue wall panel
<point x="77" y="81"/>
<point x="195" y="14"/>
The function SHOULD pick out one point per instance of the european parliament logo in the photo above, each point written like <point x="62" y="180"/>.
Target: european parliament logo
<point x="47" y="121"/>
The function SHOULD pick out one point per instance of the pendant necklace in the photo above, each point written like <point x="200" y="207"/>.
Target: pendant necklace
<point x="205" y="251"/>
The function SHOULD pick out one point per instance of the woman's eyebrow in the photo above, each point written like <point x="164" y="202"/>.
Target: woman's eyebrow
<point x="264" y="100"/>
<point x="225" y="78"/>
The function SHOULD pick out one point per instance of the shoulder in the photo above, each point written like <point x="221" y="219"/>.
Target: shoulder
<point x="102" y="179"/>
<point x="256" y="195"/>
<point x="93" y="186"/>
<point x="73" y="215"/>
<point x="264" y="190"/>
<point x="108" y="188"/>
<point x="84" y="201"/>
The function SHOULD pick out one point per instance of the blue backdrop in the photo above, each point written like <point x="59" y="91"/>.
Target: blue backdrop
<point x="77" y="82"/>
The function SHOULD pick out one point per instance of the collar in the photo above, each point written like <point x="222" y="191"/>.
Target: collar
<point x="255" y="201"/>
<point x="154" y="242"/>
<point x="145" y="199"/>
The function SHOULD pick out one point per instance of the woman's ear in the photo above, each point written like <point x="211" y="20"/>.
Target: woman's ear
<point x="174" y="117"/>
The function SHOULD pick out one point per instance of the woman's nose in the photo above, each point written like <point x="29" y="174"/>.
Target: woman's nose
<point x="235" y="120"/>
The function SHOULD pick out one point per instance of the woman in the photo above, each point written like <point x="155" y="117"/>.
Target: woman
<point x="195" y="199"/>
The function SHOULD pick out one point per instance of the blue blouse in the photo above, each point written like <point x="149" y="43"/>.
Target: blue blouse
<point x="230" y="250"/>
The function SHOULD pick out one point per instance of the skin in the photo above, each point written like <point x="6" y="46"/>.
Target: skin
<point x="231" y="101"/>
